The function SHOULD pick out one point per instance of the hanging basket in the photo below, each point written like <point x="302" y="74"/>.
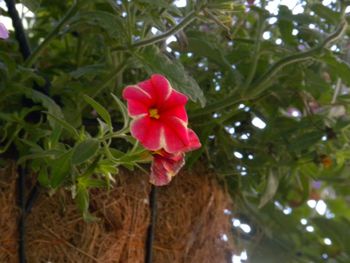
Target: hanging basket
<point x="190" y="222"/>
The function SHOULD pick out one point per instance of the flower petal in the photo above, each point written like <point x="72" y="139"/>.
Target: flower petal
<point x="161" y="87"/>
<point x="194" y="141"/>
<point x="137" y="93"/>
<point x="174" y="163"/>
<point x="179" y="112"/>
<point x="159" y="175"/>
<point x="175" y="135"/>
<point x="176" y="98"/>
<point x="148" y="131"/>
<point x="175" y="106"/>
<point x="138" y="99"/>
<point x="164" y="169"/>
<point x="135" y="108"/>
<point x="147" y="86"/>
<point x="4" y="34"/>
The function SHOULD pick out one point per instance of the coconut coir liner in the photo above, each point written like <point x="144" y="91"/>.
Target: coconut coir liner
<point x="190" y="222"/>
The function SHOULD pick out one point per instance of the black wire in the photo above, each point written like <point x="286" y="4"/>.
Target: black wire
<point x="151" y="227"/>
<point x="19" y="30"/>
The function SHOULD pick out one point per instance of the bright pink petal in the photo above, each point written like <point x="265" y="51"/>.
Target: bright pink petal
<point x="147" y="86"/>
<point x="138" y="94"/>
<point x="138" y="99"/>
<point x="175" y="135"/>
<point x="164" y="169"/>
<point x="162" y="88"/>
<point x="136" y="108"/>
<point x="175" y="106"/>
<point x="194" y="141"/>
<point x="147" y="131"/>
<point x="4" y="34"/>
<point x="179" y="112"/>
<point x="175" y="99"/>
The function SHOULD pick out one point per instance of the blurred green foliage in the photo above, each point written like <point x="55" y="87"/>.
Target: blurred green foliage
<point x="269" y="91"/>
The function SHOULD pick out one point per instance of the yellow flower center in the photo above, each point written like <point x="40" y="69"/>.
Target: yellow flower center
<point x="153" y="113"/>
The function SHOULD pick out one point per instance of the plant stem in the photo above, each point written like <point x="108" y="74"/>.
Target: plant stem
<point x="143" y="43"/>
<point x="216" y="20"/>
<point x="256" y="52"/>
<point x="36" y="53"/>
<point x="337" y="91"/>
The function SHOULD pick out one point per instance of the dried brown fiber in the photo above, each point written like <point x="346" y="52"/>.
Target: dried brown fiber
<point x="190" y="221"/>
<point x="9" y="214"/>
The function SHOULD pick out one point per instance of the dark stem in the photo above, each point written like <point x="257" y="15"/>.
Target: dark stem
<point x="151" y="227"/>
<point x="21" y="223"/>
<point x="146" y="42"/>
<point x="33" y="196"/>
<point x="26" y="52"/>
<point x="19" y="31"/>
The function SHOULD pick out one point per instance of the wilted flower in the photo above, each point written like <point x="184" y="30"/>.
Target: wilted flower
<point x="165" y="166"/>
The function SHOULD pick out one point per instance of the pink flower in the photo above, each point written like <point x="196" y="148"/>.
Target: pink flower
<point x="160" y="124"/>
<point x="4" y="34"/>
<point x="159" y="116"/>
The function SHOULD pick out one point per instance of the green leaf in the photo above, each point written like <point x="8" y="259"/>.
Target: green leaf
<point x="107" y="21"/>
<point x="156" y="62"/>
<point x="306" y="140"/>
<point x="90" y="182"/>
<point x="285" y="25"/>
<point x="47" y="102"/>
<point x="331" y="16"/>
<point x="39" y="155"/>
<point x="60" y="169"/>
<point x="13" y="136"/>
<point x="69" y="128"/>
<point x="270" y="190"/>
<point x="87" y="70"/>
<point x="123" y="110"/>
<point x="85" y="150"/>
<point x="82" y="198"/>
<point x="337" y="230"/>
<point x="200" y="44"/>
<point x="43" y="177"/>
<point x="338" y="67"/>
<point x="272" y="250"/>
<point x="100" y="110"/>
